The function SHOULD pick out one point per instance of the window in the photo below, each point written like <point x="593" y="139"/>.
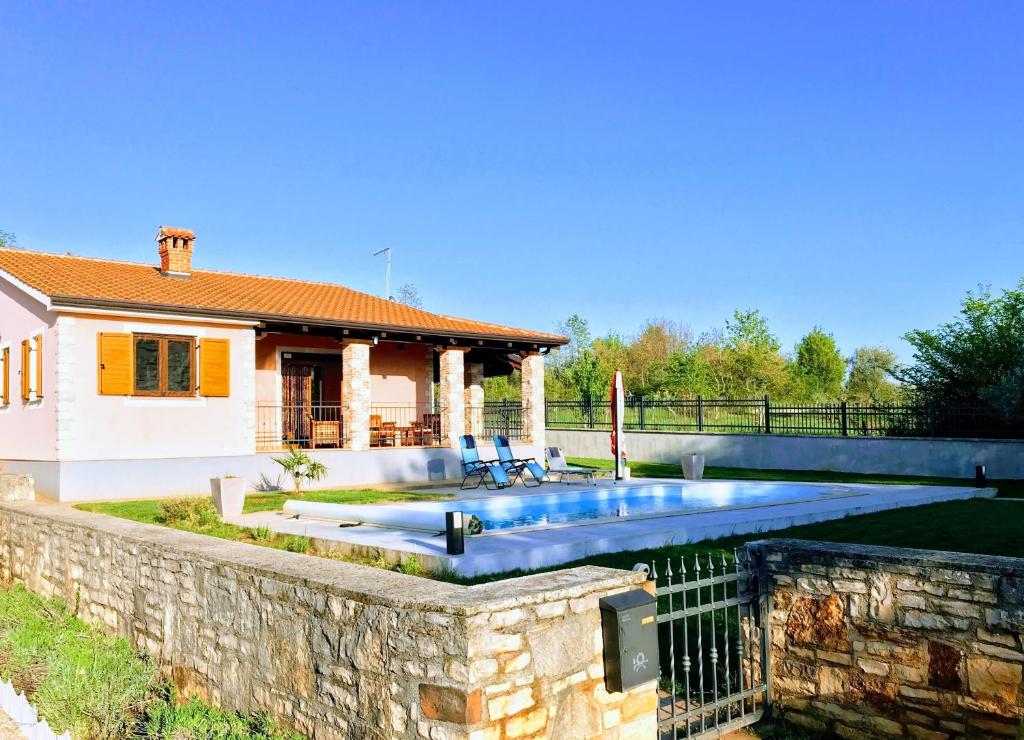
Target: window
<point x="164" y="365"/>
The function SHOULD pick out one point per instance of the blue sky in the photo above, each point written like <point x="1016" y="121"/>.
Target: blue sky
<point x="854" y="165"/>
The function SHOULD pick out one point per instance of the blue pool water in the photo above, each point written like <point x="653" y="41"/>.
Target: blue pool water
<point x="566" y="506"/>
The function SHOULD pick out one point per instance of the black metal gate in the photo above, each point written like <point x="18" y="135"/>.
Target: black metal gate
<point x="712" y="617"/>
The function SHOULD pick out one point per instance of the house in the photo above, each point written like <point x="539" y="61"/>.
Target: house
<point x="124" y="380"/>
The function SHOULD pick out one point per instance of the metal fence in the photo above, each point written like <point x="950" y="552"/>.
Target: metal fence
<point x="712" y="620"/>
<point x="503" y="417"/>
<point x="763" y="416"/>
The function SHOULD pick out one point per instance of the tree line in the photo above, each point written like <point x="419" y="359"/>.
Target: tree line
<point x="974" y="360"/>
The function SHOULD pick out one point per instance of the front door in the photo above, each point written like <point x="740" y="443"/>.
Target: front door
<point x="310" y="390"/>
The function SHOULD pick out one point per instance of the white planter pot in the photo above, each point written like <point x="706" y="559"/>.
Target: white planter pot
<point x="693" y="467"/>
<point x="625" y="473"/>
<point x="228" y="495"/>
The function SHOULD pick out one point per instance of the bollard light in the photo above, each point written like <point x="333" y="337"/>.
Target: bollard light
<point x="454" y="536"/>
<point x="979" y="476"/>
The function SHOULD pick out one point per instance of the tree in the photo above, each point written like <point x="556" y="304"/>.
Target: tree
<point x="7" y="239"/>
<point x="301" y="467"/>
<point x="870" y="372"/>
<point x="749" y="360"/>
<point x="820" y="367"/>
<point x="975" y="359"/>
<point x="408" y="295"/>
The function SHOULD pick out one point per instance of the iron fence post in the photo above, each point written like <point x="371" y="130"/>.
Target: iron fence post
<point x="700" y="413"/>
<point x="767" y="414"/>
<point x="590" y="413"/>
<point x="842" y="419"/>
<point x="640" y="402"/>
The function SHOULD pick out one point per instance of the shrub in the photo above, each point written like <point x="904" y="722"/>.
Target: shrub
<point x="190" y="512"/>
<point x="410" y="565"/>
<point x="296" y="544"/>
<point x="262" y="534"/>
<point x="168" y="720"/>
<point x="301" y="467"/>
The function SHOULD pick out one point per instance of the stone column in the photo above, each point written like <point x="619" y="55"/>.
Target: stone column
<point x="427" y="396"/>
<point x="355" y="392"/>
<point x="453" y="395"/>
<point x="475" y="398"/>
<point x="533" y="398"/>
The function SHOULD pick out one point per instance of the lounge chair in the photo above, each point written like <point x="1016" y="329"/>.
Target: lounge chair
<point x="473" y="468"/>
<point x="558" y="465"/>
<point x="516" y="467"/>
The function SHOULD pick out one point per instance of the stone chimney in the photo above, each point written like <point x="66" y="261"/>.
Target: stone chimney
<point x="175" y="247"/>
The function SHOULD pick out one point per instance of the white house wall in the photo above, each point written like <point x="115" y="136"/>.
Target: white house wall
<point x="95" y="427"/>
<point x="28" y="430"/>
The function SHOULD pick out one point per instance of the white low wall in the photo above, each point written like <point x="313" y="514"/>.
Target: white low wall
<point x="92" y="480"/>
<point x="916" y="456"/>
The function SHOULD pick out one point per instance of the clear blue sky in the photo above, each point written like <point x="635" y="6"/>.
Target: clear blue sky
<point x="854" y="165"/>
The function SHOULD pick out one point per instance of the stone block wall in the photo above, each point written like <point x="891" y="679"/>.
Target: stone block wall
<point x="883" y="642"/>
<point x="332" y="649"/>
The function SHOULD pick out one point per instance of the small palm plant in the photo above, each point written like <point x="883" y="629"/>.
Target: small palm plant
<point x="301" y="467"/>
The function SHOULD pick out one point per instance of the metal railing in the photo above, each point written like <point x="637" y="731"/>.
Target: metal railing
<point x="405" y="425"/>
<point x="763" y="416"/>
<point x="307" y="426"/>
<point x="712" y="622"/>
<point x="503" y="417"/>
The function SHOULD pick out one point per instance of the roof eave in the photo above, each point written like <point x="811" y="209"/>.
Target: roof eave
<point x="73" y="302"/>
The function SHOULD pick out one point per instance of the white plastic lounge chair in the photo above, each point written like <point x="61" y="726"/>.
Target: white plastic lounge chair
<point x="558" y="466"/>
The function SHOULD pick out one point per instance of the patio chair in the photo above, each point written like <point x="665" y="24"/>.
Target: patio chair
<point x="473" y="468"/>
<point x="516" y="467"/>
<point x="324" y="433"/>
<point x="558" y="465"/>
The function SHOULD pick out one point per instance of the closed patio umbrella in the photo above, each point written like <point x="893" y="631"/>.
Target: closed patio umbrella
<point x="618" y="404"/>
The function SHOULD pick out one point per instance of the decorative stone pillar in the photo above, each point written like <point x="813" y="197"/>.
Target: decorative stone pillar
<point x="475" y="398"/>
<point x="533" y="398"/>
<point x="355" y="393"/>
<point x="453" y="395"/>
<point x="427" y="394"/>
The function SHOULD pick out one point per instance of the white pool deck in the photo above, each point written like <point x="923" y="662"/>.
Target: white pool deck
<point x="542" y="547"/>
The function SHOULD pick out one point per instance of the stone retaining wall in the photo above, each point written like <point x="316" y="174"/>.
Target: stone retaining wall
<point x="332" y="649"/>
<point x="882" y="642"/>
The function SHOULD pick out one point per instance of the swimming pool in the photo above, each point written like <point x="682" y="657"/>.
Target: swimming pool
<point x="505" y="512"/>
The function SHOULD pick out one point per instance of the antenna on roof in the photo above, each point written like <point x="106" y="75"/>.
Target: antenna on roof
<point x="387" y="276"/>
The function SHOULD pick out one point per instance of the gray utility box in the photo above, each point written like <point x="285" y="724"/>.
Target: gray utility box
<point x="629" y="623"/>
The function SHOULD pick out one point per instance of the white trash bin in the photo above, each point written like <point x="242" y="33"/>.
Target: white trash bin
<point x="693" y="467"/>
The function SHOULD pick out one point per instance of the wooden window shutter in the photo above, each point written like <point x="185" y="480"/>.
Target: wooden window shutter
<point x="26" y="368"/>
<point x="215" y="367"/>
<point x="5" y="360"/>
<point x="114" y="364"/>
<point x="39" y="365"/>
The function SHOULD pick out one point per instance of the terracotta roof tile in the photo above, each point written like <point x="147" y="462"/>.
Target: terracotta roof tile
<point x="134" y="284"/>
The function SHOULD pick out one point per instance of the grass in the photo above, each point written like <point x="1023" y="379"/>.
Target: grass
<point x="1007" y="488"/>
<point x="95" y="686"/>
<point x="148" y="510"/>
<point x="996" y="527"/>
<point x="196" y="514"/>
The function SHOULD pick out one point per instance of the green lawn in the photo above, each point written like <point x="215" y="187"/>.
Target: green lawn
<point x="1007" y="488"/>
<point x="196" y="514"/>
<point x="148" y="510"/>
<point x="983" y="526"/>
